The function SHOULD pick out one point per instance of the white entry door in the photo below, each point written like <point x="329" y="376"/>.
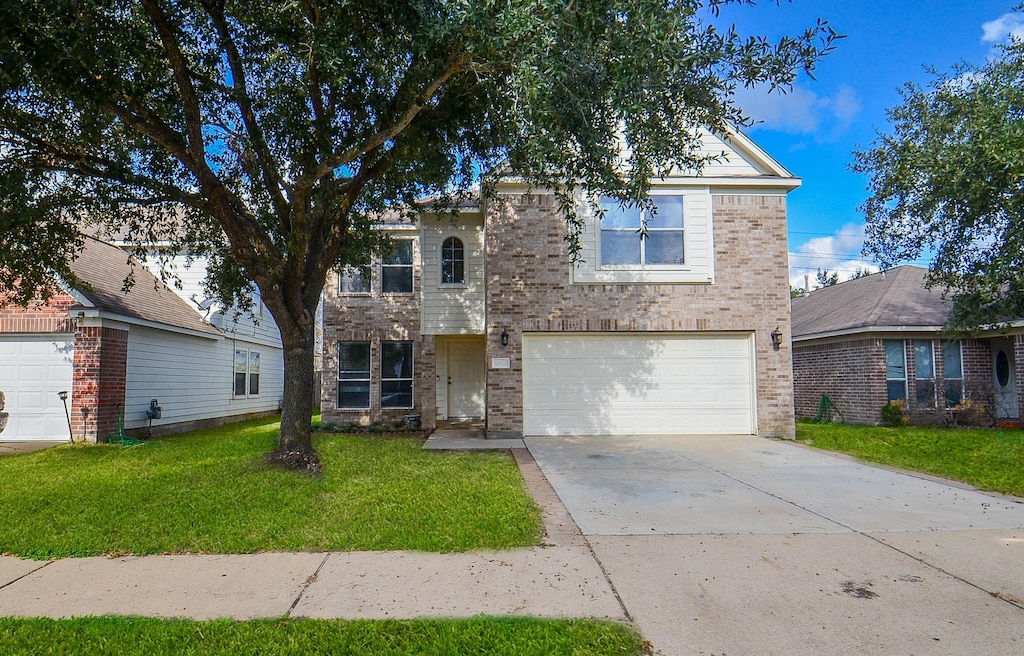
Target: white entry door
<point x="1003" y="365"/>
<point x="466" y="378"/>
<point x="33" y="369"/>
<point x="634" y="384"/>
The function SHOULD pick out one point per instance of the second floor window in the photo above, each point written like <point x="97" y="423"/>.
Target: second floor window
<point x="645" y="237"/>
<point x="453" y="262"/>
<point x="351" y="280"/>
<point x="396" y="269"/>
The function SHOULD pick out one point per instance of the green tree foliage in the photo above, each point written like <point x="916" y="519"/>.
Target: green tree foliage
<point x="266" y="136"/>
<point x="948" y="183"/>
<point x="826" y="279"/>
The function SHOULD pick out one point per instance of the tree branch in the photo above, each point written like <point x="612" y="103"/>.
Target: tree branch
<point x="272" y="180"/>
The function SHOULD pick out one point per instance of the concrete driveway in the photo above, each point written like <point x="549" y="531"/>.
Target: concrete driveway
<point x="744" y="545"/>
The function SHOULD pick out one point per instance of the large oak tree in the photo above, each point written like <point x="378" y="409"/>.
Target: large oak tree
<point x="266" y="136"/>
<point x="948" y="183"/>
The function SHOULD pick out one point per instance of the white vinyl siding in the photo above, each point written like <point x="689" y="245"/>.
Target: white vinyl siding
<point x="192" y="378"/>
<point x="614" y="384"/>
<point x="698" y="247"/>
<point x="453" y="309"/>
<point x="33" y="369"/>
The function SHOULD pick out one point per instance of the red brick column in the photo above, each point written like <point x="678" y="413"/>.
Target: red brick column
<point x="101" y="361"/>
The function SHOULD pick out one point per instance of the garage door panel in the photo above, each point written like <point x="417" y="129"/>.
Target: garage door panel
<point x="34" y="371"/>
<point x="616" y="384"/>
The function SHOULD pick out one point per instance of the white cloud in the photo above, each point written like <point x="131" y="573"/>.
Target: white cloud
<point x="1002" y="28"/>
<point x="838" y="253"/>
<point x="801" y="111"/>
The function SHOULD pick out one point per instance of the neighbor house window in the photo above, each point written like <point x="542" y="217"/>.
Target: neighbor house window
<point x="354" y="280"/>
<point x="924" y="373"/>
<point x="453" y="262"/>
<point x="952" y="373"/>
<point x="895" y="370"/>
<point x="646" y="237"/>
<point x="396" y="374"/>
<point x="247" y="372"/>
<point x="396" y="269"/>
<point x="353" y="375"/>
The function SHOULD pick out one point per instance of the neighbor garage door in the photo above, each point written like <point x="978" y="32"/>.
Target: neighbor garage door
<point x="32" y="371"/>
<point x="615" y="384"/>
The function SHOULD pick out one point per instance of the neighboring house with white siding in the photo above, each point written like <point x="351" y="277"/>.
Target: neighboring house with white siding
<point x="672" y="323"/>
<point x="115" y="352"/>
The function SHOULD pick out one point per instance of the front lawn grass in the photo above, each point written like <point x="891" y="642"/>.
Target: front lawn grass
<point x="990" y="459"/>
<point x="129" y="636"/>
<point x="213" y="492"/>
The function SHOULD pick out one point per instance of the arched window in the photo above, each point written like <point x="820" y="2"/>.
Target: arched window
<point x="453" y="262"/>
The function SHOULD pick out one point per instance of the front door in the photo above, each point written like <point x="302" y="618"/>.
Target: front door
<point x="1003" y="365"/>
<point x="466" y="378"/>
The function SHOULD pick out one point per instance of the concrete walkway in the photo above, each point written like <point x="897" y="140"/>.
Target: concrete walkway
<point x="560" y="578"/>
<point x="752" y="546"/>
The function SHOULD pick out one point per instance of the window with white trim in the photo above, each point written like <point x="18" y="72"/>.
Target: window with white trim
<point x="353" y="280"/>
<point x="247" y="373"/>
<point x="895" y="370"/>
<point x="952" y="373"/>
<point x="396" y="374"/>
<point x="353" y="375"/>
<point x="650" y="236"/>
<point x="396" y="269"/>
<point x="924" y="373"/>
<point x="453" y="262"/>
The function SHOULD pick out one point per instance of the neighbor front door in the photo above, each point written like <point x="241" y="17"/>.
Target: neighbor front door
<point x="1003" y="366"/>
<point x="466" y="378"/>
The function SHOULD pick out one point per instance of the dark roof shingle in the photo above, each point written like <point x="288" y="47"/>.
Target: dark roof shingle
<point x="102" y="269"/>
<point x="895" y="298"/>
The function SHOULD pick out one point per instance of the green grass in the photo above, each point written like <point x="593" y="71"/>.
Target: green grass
<point x="990" y="459"/>
<point x="128" y="636"/>
<point x="212" y="492"/>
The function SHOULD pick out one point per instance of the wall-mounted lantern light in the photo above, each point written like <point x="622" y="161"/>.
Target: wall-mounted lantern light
<point x="776" y="336"/>
<point x="504" y="337"/>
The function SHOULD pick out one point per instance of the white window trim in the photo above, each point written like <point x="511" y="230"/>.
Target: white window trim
<point x="368" y="379"/>
<point x="411" y="378"/>
<point x="341" y="275"/>
<point x="700" y="268"/>
<point x="932" y="379"/>
<point x="643" y="266"/>
<point x="963" y="389"/>
<point x="440" y="264"/>
<point x="411" y="267"/>
<point x="248" y="372"/>
<point x="906" y="387"/>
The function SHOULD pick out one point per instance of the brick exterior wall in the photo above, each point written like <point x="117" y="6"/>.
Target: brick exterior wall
<point x="49" y="317"/>
<point x="1018" y="352"/>
<point x="98" y="390"/>
<point x="375" y="318"/>
<point x="529" y="290"/>
<point x="851" y="373"/>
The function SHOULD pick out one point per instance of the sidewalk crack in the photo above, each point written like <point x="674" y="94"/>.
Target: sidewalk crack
<point x="29" y="573"/>
<point x="305" y="586"/>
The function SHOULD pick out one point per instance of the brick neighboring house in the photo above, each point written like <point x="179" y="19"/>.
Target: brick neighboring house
<point x="879" y="338"/>
<point x="111" y="350"/>
<point x="486" y="318"/>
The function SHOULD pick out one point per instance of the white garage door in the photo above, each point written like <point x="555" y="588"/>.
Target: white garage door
<point x="32" y="371"/>
<point x="679" y="384"/>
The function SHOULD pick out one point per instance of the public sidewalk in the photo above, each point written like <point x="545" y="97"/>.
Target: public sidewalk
<point x="561" y="578"/>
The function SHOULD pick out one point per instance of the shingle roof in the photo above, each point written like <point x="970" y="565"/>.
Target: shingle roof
<point x="895" y="298"/>
<point x="102" y="269"/>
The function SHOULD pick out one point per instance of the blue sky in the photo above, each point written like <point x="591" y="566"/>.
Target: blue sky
<point x="814" y="129"/>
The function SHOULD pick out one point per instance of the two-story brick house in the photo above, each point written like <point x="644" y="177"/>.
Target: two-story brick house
<point x="661" y="330"/>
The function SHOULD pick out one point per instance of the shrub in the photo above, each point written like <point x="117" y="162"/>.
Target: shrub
<point x="894" y="413"/>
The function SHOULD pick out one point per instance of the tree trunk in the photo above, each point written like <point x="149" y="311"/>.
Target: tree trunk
<point x="295" y="448"/>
